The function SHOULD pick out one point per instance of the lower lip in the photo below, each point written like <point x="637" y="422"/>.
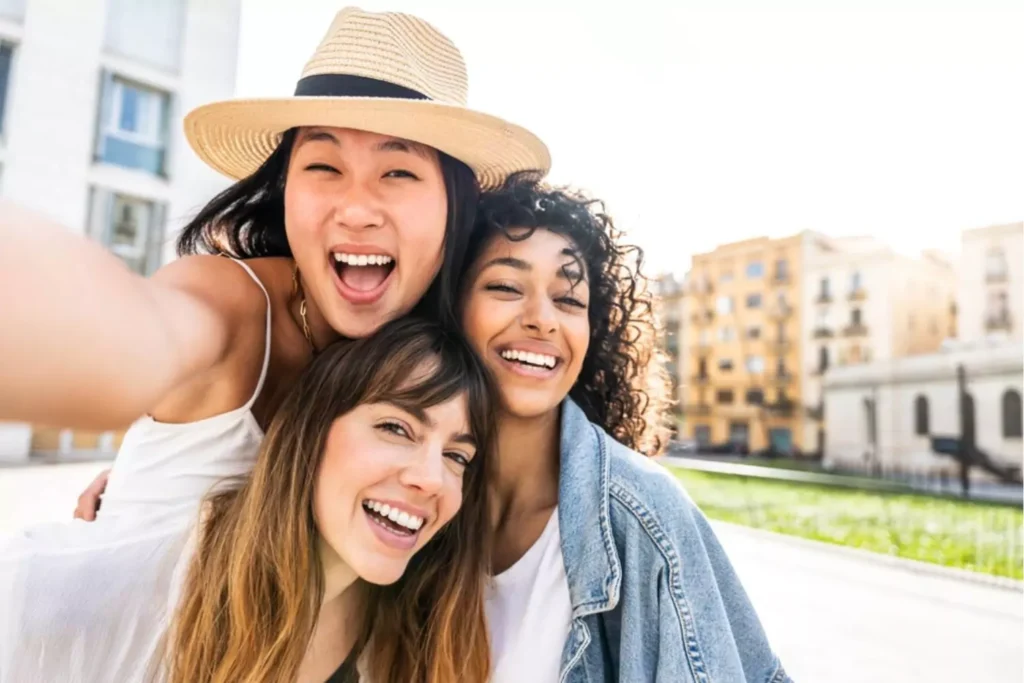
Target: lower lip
<point x="529" y="370"/>
<point x="390" y="538"/>
<point x="358" y="296"/>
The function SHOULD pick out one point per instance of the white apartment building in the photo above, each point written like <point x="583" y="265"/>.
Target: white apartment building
<point x="865" y="302"/>
<point x="92" y="93"/>
<point x="992" y="282"/>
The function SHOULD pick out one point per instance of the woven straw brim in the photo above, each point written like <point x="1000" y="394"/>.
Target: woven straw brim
<point x="237" y="136"/>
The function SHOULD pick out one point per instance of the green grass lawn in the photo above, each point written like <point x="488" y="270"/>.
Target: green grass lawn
<point x="983" y="538"/>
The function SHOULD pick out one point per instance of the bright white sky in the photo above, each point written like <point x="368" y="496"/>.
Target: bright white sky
<point x="718" y="121"/>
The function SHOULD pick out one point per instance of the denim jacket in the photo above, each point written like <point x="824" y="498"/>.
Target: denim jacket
<point x="654" y="597"/>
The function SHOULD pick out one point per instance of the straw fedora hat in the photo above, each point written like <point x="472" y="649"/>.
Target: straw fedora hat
<point x="386" y="73"/>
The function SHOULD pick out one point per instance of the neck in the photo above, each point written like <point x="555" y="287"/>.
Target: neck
<point x="527" y="464"/>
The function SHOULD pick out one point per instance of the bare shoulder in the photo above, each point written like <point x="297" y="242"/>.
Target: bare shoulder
<point x="223" y="287"/>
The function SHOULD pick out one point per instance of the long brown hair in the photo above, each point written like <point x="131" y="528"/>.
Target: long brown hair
<point x="253" y="591"/>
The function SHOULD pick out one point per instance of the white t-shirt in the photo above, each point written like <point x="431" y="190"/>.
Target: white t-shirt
<point x="529" y="613"/>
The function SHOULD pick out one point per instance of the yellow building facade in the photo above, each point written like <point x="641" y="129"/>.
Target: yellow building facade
<point x="743" y="366"/>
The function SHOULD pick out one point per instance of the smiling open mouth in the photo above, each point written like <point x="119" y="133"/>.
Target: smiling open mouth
<point x="363" y="272"/>
<point x="392" y="519"/>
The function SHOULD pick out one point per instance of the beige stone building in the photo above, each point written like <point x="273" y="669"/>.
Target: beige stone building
<point x="992" y="282"/>
<point x="866" y="303"/>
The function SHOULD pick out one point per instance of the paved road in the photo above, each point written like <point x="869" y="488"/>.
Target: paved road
<point x="832" y="618"/>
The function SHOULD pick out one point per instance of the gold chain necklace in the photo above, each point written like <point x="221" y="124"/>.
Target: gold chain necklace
<point x="297" y="290"/>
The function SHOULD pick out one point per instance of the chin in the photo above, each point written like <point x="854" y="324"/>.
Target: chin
<point x="526" y="407"/>
<point x="382" y="575"/>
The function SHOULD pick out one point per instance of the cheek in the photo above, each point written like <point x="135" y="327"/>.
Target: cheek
<point x="305" y="207"/>
<point x="578" y="337"/>
<point x="421" y="231"/>
<point x="451" y="501"/>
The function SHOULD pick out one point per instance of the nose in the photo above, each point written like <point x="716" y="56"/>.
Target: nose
<point x="425" y="471"/>
<point x="358" y="206"/>
<point x="540" y="316"/>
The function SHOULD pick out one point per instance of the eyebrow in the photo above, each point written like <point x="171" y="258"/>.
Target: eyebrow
<point x="389" y="145"/>
<point x="520" y="264"/>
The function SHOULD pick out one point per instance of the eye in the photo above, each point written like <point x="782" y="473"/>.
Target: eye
<point x="501" y="287"/>
<point x="322" y="167"/>
<point x="458" y="458"/>
<point x="571" y="301"/>
<point x="401" y="173"/>
<point x="394" y="427"/>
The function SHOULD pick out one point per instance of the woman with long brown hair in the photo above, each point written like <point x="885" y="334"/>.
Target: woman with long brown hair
<point x="345" y="544"/>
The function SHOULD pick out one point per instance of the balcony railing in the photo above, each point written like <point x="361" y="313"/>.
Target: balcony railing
<point x="857" y="294"/>
<point x="855" y="330"/>
<point x="995" y="277"/>
<point x="784" y="377"/>
<point x="696" y="409"/>
<point x="780" y="311"/>
<point x="701" y="378"/>
<point x="822" y="332"/>
<point x="780" y="345"/>
<point x="780" y="278"/>
<point x="816" y="412"/>
<point x="785" y="407"/>
<point x="824" y="298"/>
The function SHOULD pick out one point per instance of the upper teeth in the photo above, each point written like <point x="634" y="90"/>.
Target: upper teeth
<point x="541" y="359"/>
<point x="363" y="259"/>
<point x="395" y="515"/>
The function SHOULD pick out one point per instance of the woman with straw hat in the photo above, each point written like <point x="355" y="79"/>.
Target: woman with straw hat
<point x="353" y="205"/>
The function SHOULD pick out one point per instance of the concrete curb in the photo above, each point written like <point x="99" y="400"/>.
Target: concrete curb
<point x="912" y="566"/>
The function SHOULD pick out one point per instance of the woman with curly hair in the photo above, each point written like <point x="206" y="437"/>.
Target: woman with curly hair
<point x="604" y="569"/>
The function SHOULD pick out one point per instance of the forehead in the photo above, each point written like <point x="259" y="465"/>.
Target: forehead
<point x="538" y="244"/>
<point x="349" y="138"/>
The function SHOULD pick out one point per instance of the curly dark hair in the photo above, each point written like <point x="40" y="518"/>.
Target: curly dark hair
<point x="247" y="221"/>
<point x="615" y="388"/>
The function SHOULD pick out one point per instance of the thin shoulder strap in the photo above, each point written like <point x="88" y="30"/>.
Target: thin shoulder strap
<point x="266" y="343"/>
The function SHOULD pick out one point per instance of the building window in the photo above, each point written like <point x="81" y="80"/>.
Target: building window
<point x="130" y="227"/>
<point x="725" y="364"/>
<point x="725" y="277"/>
<point x="780" y="367"/>
<point x="855" y="317"/>
<point x="724" y="396"/>
<point x="755" y="269"/>
<point x="726" y="334"/>
<point x="704" y="338"/>
<point x="824" y="290"/>
<point x="13" y="9"/>
<point x="1011" y="414"/>
<point x="133" y="126"/>
<point x="753" y="332"/>
<point x="724" y="305"/>
<point x="921" y="416"/>
<point x="781" y="269"/>
<point x="151" y="31"/>
<point x="755" y="365"/>
<point x="995" y="264"/>
<point x="753" y="301"/>
<point x="823" y="359"/>
<point x="755" y="397"/>
<point x="855" y="281"/>
<point x="6" y="56"/>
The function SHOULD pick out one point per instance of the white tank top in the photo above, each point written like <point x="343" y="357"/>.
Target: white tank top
<point x="170" y="465"/>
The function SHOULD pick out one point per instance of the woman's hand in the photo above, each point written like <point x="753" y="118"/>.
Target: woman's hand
<point x="89" y="501"/>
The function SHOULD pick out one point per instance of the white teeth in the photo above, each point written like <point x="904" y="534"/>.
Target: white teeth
<point x="362" y="259"/>
<point x="538" y="359"/>
<point x="397" y="516"/>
